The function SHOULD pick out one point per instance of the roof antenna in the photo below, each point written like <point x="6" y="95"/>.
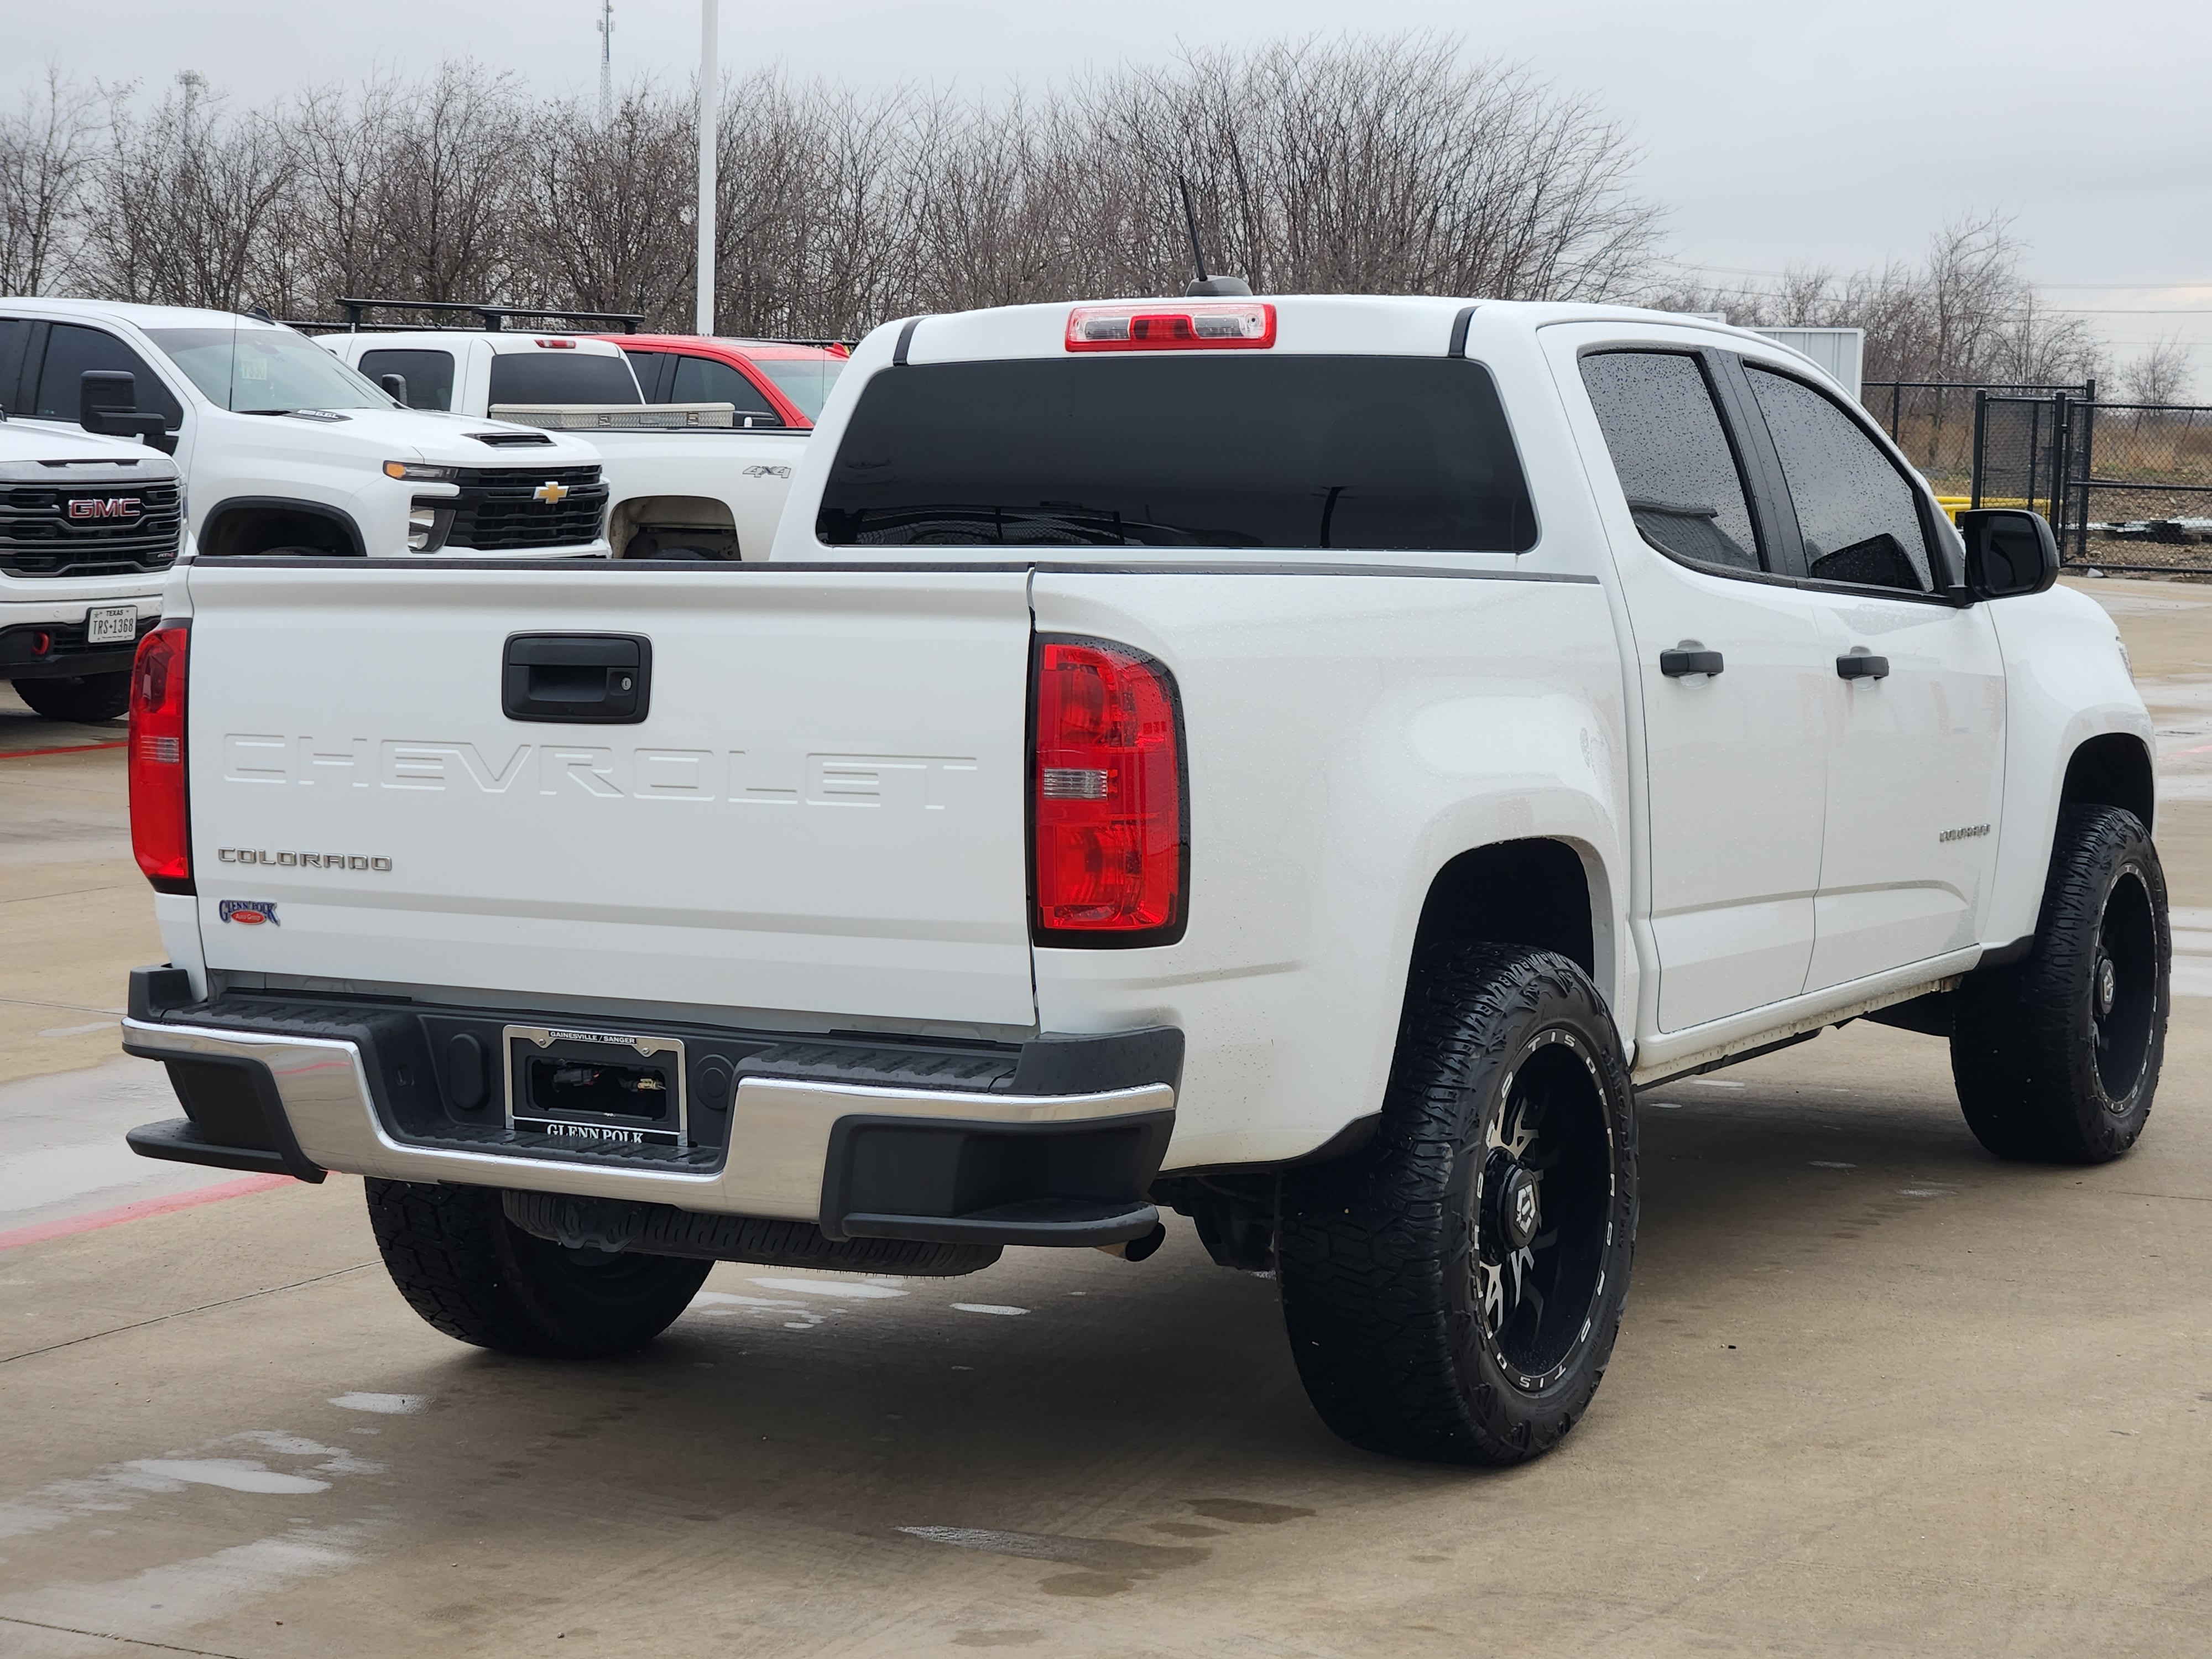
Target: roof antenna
<point x="1206" y="285"/>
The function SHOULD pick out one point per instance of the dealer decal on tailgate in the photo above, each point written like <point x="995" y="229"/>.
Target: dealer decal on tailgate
<point x="253" y="912"/>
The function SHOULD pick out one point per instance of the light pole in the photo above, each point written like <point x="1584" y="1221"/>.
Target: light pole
<point x="710" y="99"/>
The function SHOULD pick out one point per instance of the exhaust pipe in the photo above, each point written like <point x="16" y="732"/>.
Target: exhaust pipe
<point x="1137" y="1248"/>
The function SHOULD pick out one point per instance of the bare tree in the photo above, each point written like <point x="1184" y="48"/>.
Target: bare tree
<point x="453" y="193"/>
<point x="179" y="199"/>
<point x="45" y="151"/>
<point x="607" y="208"/>
<point x="2162" y="376"/>
<point x="1388" y="165"/>
<point x="1964" y="315"/>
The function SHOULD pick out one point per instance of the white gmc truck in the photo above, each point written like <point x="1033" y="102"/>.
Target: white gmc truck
<point x="90" y="527"/>
<point x="1304" y="763"/>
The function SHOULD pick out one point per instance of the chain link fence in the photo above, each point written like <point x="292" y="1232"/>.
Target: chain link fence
<point x="1933" y="422"/>
<point x="2143" y="498"/>
<point x="2126" y="487"/>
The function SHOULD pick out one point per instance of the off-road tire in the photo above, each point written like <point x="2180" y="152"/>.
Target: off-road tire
<point x="81" y="699"/>
<point x="477" y="1277"/>
<point x="1381" y="1254"/>
<point x="2055" y="1057"/>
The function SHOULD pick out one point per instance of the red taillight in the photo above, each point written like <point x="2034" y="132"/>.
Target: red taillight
<point x="1110" y="847"/>
<point x="1173" y="326"/>
<point x="160" y="826"/>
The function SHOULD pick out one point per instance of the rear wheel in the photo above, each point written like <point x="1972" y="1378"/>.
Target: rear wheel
<point x="1453" y="1292"/>
<point x="84" y="699"/>
<point x="2056" y="1056"/>
<point x="475" y="1276"/>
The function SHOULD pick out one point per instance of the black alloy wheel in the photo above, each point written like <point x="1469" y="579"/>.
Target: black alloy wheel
<point x="1452" y="1291"/>
<point x="2124" y="989"/>
<point x="1542" y="1198"/>
<point x="2056" y="1056"/>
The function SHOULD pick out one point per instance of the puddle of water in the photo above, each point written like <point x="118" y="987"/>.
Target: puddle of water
<point x="232" y="1473"/>
<point x="168" y="1600"/>
<point x="844" y="1287"/>
<point x="387" y="1405"/>
<point x="987" y="1308"/>
<point x="122" y="1486"/>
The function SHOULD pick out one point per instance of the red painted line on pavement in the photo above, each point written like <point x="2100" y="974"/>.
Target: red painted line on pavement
<point x="138" y="1212"/>
<point x="2199" y="749"/>
<point x="66" y="749"/>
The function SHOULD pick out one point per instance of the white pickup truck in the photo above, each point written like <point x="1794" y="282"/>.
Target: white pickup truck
<point x="685" y="480"/>
<point x="283" y="450"/>
<point x="1302" y="761"/>
<point x="89" y="528"/>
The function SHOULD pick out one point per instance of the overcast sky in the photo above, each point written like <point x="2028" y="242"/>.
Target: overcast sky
<point x="1839" y="134"/>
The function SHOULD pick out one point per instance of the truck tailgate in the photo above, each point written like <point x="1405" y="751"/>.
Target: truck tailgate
<point x="821" y="813"/>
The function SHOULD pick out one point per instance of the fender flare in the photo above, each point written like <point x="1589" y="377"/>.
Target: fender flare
<point x="344" y="521"/>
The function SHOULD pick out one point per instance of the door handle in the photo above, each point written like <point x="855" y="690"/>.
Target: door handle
<point x="1676" y="663"/>
<point x="1860" y="667"/>
<point x="582" y="679"/>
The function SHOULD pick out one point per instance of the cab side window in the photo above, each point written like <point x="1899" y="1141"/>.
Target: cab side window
<point x="428" y="375"/>
<point x="71" y="349"/>
<point x="1859" y="518"/>
<point x="1676" y="464"/>
<point x="15" y="339"/>
<point x="651" y="368"/>
<point x="704" y="381"/>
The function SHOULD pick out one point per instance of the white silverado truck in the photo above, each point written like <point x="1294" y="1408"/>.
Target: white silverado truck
<point x="1302" y="761"/>
<point x="89" y="528"/>
<point x="283" y="450"/>
<point x="685" y="480"/>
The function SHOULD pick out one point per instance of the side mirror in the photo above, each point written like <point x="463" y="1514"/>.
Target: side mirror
<point x="395" y="386"/>
<point x="2009" y="552"/>
<point x="107" y="403"/>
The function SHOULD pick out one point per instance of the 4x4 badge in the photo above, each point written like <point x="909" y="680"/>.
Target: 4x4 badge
<point x="253" y="912"/>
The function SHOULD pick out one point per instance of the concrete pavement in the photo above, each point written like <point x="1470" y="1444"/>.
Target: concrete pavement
<point x="1876" y="1393"/>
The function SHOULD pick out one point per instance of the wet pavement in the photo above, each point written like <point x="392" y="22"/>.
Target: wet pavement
<point x="1876" y="1392"/>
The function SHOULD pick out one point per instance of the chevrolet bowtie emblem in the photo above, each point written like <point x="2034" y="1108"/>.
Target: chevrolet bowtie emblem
<point x="551" y="493"/>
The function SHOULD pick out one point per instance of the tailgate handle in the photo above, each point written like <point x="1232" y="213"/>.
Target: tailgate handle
<point x="577" y="679"/>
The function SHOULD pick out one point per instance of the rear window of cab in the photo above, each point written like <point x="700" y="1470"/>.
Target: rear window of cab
<point x="1353" y="452"/>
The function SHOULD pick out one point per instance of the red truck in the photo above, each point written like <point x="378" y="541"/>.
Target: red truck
<point x="786" y="378"/>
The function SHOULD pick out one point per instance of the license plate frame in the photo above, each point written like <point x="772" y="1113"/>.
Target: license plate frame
<point x="111" y="624"/>
<point x="525" y="1046"/>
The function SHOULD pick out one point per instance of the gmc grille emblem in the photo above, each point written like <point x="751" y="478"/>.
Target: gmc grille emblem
<point x="108" y="507"/>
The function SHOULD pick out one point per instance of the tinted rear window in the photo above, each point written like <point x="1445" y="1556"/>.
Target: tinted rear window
<point x="1355" y="453"/>
<point x="562" y="377"/>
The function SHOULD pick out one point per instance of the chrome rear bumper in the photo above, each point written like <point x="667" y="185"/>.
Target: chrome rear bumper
<point x="778" y="1163"/>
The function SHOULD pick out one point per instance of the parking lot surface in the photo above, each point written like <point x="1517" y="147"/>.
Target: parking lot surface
<point x="1876" y="1392"/>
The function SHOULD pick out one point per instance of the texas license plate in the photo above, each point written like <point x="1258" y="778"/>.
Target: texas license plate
<point x="111" y="625"/>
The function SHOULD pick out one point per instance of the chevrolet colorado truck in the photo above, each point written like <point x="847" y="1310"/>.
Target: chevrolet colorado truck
<point x="283" y="450"/>
<point x="1304" y="762"/>
<point x="89" y="528"/>
<point x="694" y="477"/>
